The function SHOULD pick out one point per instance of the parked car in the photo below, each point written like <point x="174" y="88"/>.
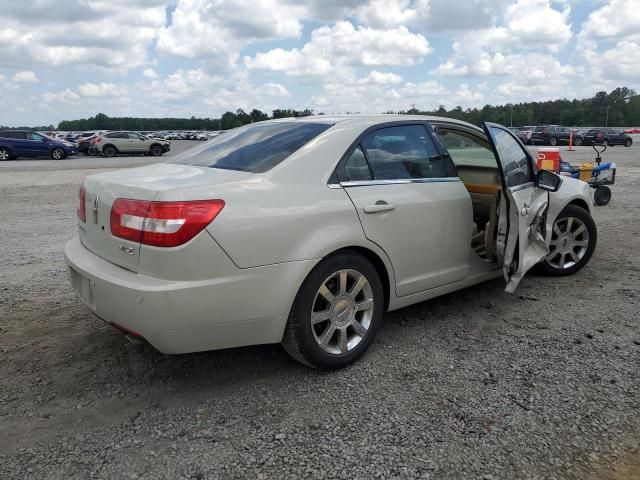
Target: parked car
<point x="305" y="231"/>
<point x="84" y="140"/>
<point x="611" y="136"/>
<point x="555" y="135"/>
<point x="111" y="144"/>
<point x="632" y="131"/>
<point x="24" y="143"/>
<point x="524" y="134"/>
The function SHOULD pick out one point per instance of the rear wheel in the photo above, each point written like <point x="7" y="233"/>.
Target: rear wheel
<point x="155" y="150"/>
<point x="578" y="142"/>
<point x="553" y="141"/>
<point x="605" y="142"/>
<point x="336" y="314"/>
<point x="573" y="241"/>
<point x="109" y="151"/>
<point x="628" y="142"/>
<point x="5" y="154"/>
<point x="57" y="154"/>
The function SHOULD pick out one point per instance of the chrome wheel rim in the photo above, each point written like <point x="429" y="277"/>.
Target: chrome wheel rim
<point x="57" y="155"/>
<point x="155" y="151"/>
<point x="4" y="155"/>
<point x="569" y="243"/>
<point x="342" y="312"/>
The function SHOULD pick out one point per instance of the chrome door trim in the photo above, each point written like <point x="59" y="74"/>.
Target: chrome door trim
<point x="399" y="181"/>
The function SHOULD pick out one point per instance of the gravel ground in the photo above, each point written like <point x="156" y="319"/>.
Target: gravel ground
<point x="478" y="384"/>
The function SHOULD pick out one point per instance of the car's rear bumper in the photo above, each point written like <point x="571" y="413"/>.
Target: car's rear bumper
<point x="248" y="308"/>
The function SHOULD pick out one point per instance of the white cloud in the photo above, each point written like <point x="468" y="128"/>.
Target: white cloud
<point x="273" y="90"/>
<point x="537" y="23"/>
<point x="150" y="73"/>
<point x="65" y="96"/>
<point x="25" y="76"/>
<point x="102" y="89"/>
<point x="344" y="45"/>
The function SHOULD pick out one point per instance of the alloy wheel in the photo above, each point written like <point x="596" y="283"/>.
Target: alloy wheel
<point x="4" y="154"/>
<point x="569" y="242"/>
<point x="342" y="312"/>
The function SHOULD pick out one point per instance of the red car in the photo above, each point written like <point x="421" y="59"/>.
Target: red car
<point x="632" y="131"/>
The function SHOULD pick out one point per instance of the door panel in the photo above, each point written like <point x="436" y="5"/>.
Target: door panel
<point x="425" y="229"/>
<point x="521" y="241"/>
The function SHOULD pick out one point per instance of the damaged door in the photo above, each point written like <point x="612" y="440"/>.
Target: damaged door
<point x="520" y="242"/>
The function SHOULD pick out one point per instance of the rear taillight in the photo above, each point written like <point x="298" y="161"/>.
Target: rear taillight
<point x="82" y="205"/>
<point x="95" y="140"/>
<point x="162" y="224"/>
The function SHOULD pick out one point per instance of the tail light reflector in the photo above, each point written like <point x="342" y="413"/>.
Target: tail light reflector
<point x="162" y="224"/>
<point x="82" y="205"/>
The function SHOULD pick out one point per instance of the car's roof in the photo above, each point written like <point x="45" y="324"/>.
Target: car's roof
<point x="368" y="120"/>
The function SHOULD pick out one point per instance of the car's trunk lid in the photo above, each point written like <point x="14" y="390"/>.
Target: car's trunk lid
<point x="143" y="183"/>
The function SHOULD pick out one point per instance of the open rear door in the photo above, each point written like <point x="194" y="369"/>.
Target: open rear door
<point x="520" y="244"/>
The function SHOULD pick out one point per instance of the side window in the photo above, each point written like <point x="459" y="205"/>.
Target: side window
<point x="117" y="135"/>
<point x="465" y="149"/>
<point x="357" y="167"/>
<point x="34" y="136"/>
<point x="516" y="166"/>
<point x="405" y="152"/>
<point x="134" y="136"/>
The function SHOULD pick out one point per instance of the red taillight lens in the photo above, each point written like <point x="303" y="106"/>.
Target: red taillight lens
<point x="95" y="140"/>
<point x="82" y="205"/>
<point x="162" y="224"/>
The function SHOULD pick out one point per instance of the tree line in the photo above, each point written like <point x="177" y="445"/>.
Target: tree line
<point x="227" y="121"/>
<point x="618" y="108"/>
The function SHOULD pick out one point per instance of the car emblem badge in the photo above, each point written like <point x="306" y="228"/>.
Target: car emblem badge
<point x="95" y="210"/>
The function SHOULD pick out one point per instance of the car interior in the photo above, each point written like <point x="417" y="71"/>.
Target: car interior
<point x="478" y="169"/>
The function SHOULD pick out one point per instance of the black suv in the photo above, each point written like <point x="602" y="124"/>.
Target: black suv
<point x="554" y="135"/>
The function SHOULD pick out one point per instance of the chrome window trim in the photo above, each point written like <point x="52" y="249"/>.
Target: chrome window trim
<point x="399" y="181"/>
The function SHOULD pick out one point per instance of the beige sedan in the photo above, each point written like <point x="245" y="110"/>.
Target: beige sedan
<point x="306" y="231"/>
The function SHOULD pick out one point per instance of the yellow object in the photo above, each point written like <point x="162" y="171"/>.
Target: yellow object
<point x="586" y="171"/>
<point x="547" y="165"/>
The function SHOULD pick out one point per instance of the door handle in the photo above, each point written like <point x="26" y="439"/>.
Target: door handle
<point x="380" y="206"/>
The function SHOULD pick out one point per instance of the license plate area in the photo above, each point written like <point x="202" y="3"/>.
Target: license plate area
<point x="82" y="286"/>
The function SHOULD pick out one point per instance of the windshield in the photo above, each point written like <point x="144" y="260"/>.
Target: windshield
<point x="255" y="148"/>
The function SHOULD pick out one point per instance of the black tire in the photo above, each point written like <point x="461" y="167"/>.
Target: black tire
<point x="156" y="150"/>
<point x="58" y="154"/>
<point x="602" y="196"/>
<point x="299" y="339"/>
<point x="553" y="141"/>
<point x="578" y="142"/>
<point x="628" y="143"/>
<point x="109" y="151"/>
<point x="5" y="154"/>
<point x="573" y="211"/>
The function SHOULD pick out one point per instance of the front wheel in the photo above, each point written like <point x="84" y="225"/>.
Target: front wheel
<point x="573" y="241"/>
<point x="336" y="314"/>
<point x="553" y="141"/>
<point x="57" y="154"/>
<point x="628" y="142"/>
<point x="578" y="142"/>
<point x="155" y="150"/>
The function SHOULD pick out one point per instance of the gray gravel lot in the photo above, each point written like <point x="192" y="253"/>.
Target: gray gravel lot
<point x="478" y="384"/>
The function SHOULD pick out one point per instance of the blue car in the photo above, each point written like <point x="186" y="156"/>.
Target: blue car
<point x="24" y="143"/>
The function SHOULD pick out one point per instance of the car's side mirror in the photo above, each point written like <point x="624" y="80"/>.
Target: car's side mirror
<point x="548" y="180"/>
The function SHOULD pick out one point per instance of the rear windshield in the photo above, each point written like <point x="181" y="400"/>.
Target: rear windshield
<point x="253" y="148"/>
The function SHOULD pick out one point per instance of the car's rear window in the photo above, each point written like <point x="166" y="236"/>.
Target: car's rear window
<point x="254" y="148"/>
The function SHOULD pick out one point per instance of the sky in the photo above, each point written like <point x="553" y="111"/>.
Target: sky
<point x="68" y="59"/>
